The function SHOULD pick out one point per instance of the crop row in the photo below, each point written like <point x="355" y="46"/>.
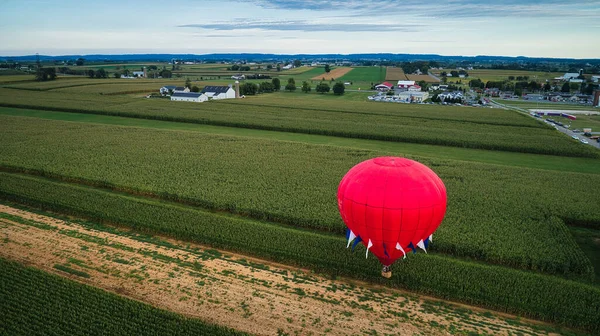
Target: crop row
<point x="352" y="125"/>
<point x="36" y="303"/>
<point x="572" y="303"/>
<point x="296" y="184"/>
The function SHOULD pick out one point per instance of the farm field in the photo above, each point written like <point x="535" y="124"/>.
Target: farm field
<point x="394" y="74"/>
<point x="334" y="74"/>
<point x="71" y="308"/>
<point x="252" y="292"/>
<point x="500" y="75"/>
<point x="581" y="165"/>
<point x="438" y="128"/>
<point x="364" y="74"/>
<point x="426" y="78"/>
<point x="302" y="191"/>
<point x="257" y="177"/>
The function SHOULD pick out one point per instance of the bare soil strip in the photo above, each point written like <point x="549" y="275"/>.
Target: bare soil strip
<point x="244" y="293"/>
<point x="333" y="74"/>
<point x="426" y="78"/>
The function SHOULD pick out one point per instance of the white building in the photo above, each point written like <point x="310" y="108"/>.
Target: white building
<point x="414" y="88"/>
<point x="413" y="97"/>
<point x="219" y="92"/>
<point x="167" y="89"/>
<point x="405" y="84"/>
<point x="595" y="79"/>
<point x="181" y="89"/>
<point x="189" y="97"/>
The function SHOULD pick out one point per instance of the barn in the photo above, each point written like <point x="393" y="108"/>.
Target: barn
<point x="219" y="92"/>
<point x="189" y="97"/>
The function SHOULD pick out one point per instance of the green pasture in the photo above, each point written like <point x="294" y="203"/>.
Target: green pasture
<point x="364" y="74"/>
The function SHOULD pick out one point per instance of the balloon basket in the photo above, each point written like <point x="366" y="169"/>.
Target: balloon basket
<point x="387" y="274"/>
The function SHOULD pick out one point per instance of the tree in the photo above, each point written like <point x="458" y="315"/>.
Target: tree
<point x="454" y="73"/>
<point x="574" y="86"/>
<point x="269" y="66"/>
<point x="91" y="73"/>
<point x="165" y="73"/>
<point x="518" y="92"/>
<point x="306" y="87"/>
<point x="276" y="84"/>
<point x="195" y="89"/>
<point x="327" y="68"/>
<point x="80" y="61"/>
<point x="266" y="87"/>
<point x="278" y="67"/>
<point x="547" y="87"/>
<point x="338" y="88"/>
<point x="117" y="75"/>
<point x="45" y="74"/>
<point x="101" y="73"/>
<point x="511" y="78"/>
<point x="188" y="83"/>
<point x="566" y="87"/>
<point x="248" y="89"/>
<point x="297" y="63"/>
<point x="291" y="81"/>
<point x="322" y="88"/>
<point x="290" y="86"/>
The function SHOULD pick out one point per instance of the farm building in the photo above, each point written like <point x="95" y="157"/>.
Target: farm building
<point x="413" y="97"/>
<point x="189" y="97"/>
<point x="414" y="88"/>
<point x="385" y="86"/>
<point x="181" y="89"/>
<point x="405" y="84"/>
<point x="219" y="92"/>
<point x="166" y="89"/>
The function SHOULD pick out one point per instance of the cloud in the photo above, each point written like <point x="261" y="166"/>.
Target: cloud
<point x="445" y="9"/>
<point x="303" y="25"/>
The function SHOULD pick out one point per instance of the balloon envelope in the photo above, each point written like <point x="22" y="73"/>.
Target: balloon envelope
<point x="393" y="204"/>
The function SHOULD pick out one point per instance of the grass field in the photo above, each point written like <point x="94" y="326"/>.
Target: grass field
<point x="258" y="176"/>
<point x="364" y="74"/>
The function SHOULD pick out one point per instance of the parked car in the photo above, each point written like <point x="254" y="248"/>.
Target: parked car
<point x="575" y="137"/>
<point x="583" y="141"/>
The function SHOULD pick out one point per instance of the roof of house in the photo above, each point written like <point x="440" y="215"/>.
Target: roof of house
<point x="179" y="88"/>
<point x="169" y="87"/>
<point x="386" y="84"/>
<point x="407" y="82"/>
<point x="187" y="94"/>
<point x="216" y="89"/>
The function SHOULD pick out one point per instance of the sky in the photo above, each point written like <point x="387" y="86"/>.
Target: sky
<point x="534" y="28"/>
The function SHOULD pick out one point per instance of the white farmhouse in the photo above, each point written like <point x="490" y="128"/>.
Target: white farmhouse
<point x="219" y="92"/>
<point x="189" y="97"/>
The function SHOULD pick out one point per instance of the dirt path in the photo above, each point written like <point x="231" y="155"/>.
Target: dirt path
<point x="244" y="293"/>
<point x="334" y="74"/>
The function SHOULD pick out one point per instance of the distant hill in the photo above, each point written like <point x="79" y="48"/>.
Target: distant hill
<point x="284" y="57"/>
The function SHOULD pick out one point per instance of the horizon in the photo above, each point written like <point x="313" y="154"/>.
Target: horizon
<point x="507" y="28"/>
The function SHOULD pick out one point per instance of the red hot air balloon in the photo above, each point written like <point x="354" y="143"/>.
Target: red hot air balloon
<point x="392" y="205"/>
